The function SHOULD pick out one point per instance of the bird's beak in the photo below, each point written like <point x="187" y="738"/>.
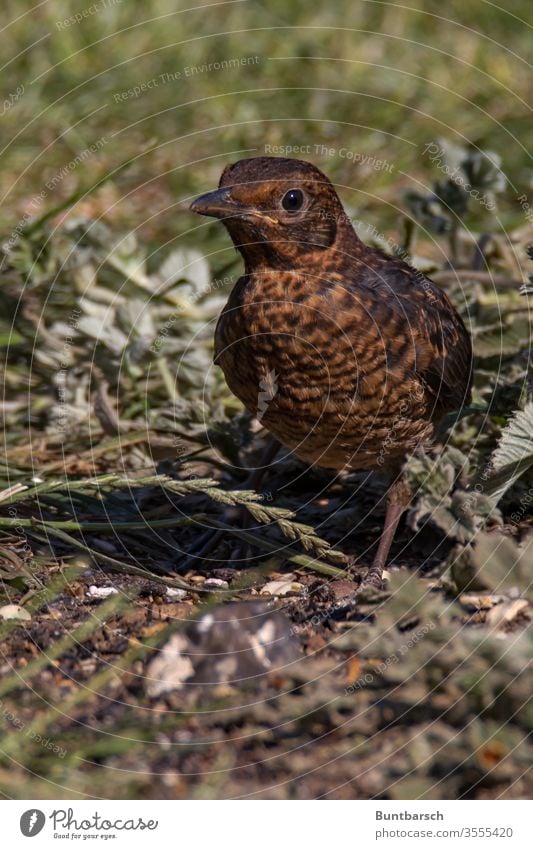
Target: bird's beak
<point x="218" y="204"/>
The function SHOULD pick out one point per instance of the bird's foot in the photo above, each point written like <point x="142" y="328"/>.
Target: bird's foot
<point x="208" y="542"/>
<point x="237" y="516"/>
<point x="370" y="590"/>
<point x="372" y="581"/>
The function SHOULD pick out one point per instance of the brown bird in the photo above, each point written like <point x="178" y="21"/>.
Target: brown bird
<point x="349" y="357"/>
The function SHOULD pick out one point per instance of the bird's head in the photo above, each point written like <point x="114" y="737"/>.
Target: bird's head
<point x="277" y="211"/>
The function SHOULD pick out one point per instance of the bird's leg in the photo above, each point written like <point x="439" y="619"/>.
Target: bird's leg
<point x="398" y="498"/>
<point x="210" y="539"/>
<point x="255" y="478"/>
<point x="240" y="514"/>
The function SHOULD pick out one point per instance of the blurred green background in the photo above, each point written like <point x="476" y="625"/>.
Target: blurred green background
<point x="379" y="79"/>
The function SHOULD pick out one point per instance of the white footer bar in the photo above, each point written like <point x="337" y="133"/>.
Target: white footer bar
<point x="268" y="824"/>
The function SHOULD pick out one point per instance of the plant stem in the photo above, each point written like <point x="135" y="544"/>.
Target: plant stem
<point x="298" y="559"/>
<point x="110" y="526"/>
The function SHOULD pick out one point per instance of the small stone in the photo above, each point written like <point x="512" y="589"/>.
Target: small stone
<point x="174" y="592"/>
<point x="171" y="610"/>
<point x="474" y="601"/>
<point x="14" y="611"/>
<point x="285" y="586"/>
<point x="101" y="592"/>
<point x="215" y="584"/>
<point x="502" y="616"/>
<point x="342" y="588"/>
<point x="170" y="668"/>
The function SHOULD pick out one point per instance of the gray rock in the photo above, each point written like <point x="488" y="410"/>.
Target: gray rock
<point x="235" y="644"/>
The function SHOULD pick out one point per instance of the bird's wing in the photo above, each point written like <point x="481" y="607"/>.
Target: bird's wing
<point x="442" y="344"/>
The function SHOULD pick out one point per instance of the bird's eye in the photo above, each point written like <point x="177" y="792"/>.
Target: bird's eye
<point x="292" y="200"/>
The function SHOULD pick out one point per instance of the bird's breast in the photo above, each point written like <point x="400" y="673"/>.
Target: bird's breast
<point x="312" y="363"/>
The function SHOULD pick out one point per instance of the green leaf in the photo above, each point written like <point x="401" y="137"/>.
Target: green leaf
<point x="513" y="455"/>
<point x="502" y="340"/>
<point x="491" y="562"/>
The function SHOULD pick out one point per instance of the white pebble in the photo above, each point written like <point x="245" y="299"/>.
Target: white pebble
<point x="101" y="592"/>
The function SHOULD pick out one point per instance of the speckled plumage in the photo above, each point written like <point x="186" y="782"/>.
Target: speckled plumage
<point x="362" y="354"/>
